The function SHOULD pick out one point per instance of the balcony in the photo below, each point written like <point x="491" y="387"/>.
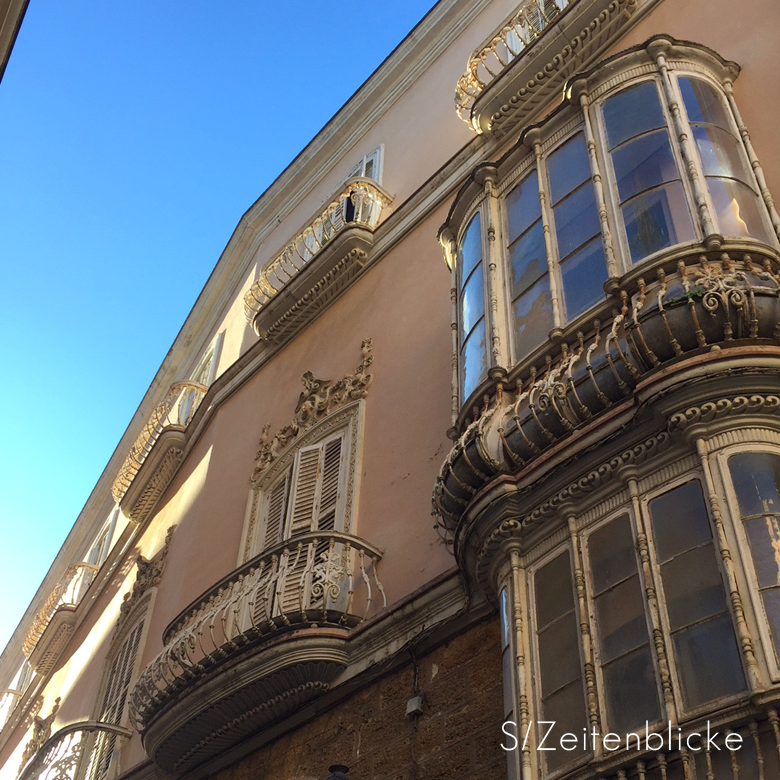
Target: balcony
<point x="689" y="308"/>
<point x="524" y="64"/>
<point x="173" y="414"/>
<point x="53" y="624"/>
<point x="254" y="648"/>
<point x="84" y="749"/>
<point x="319" y="262"/>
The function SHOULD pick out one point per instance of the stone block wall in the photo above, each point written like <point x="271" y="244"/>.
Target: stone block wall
<point x="458" y="735"/>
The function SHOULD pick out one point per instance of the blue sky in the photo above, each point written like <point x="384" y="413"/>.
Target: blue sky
<point x="133" y="136"/>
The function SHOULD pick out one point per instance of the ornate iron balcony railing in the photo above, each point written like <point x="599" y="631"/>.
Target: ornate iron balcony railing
<point x="62" y="756"/>
<point x="314" y="580"/>
<point x="491" y="59"/>
<point x="176" y="410"/>
<point x="67" y="593"/>
<point x="358" y="204"/>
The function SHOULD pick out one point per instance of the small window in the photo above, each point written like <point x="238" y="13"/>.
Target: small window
<point x="370" y="167"/>
<point x="473" y="345"/>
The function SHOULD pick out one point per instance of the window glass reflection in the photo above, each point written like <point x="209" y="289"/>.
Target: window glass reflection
<point x="472" y="309"/>
<point x="695" y="597"/>
<point x="652" y="200"/>
<point x="735" y="200"/>
<point x="577" y="227"/>
<point x="756" y="480"/>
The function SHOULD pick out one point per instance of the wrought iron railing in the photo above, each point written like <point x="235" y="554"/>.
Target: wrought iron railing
<point x="67" y="593"/>
<point x="491" y="59"/>
<point x="8" y="701"/>
<point x="176" y="410"/>
<point x="704" y="751"/>
<point x="359" y="203"/>
<point x="63" y="756"/>
<point x="326" y="579"/>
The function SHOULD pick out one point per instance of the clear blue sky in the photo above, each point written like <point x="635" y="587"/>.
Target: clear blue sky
<point x="133" y="136"/>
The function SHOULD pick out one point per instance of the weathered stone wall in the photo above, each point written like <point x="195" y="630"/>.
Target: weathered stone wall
<point x="457" y="736"/>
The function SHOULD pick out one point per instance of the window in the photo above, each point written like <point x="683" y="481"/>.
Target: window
<point x="629" y="678"/>
<point x="473" y="346"/>
<point x="640" y="160"/>
<point x="370" y="167"/>
<point x="113" y="702"/>
<point x="560" y="668"/>
<point x="652" y="199"/>
<point x="308" y="495"/>
<point x="708" y="662"/>
<point x="756" y="480"/>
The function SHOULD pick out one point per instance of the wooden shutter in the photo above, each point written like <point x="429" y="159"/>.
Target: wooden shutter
<point x="304" y="497"/>
<point x="276" y="511"/>
<point x="329" y="489"/>
<point x="112" y="708"/>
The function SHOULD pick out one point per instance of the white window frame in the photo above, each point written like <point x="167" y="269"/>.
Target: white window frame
<point x="374" y="158"/>
<point x="346" y="422"/>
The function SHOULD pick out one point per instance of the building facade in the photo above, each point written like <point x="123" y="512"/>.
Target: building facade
<point x="510" y="514"/>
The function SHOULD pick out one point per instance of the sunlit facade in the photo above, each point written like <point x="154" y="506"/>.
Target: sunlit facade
<point x="513" y="514"/>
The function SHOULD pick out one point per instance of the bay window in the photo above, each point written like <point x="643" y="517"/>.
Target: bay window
<point x="644" y="161"/>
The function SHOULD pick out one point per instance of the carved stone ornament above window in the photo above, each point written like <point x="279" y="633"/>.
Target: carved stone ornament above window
<point x="320" y="397"/>
<point x="148" y="577"/>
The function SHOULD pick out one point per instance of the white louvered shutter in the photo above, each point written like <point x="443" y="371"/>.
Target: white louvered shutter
<point x="330" y="484"/>
<point x="304" y="496"/>
<point x="113" y="705"/>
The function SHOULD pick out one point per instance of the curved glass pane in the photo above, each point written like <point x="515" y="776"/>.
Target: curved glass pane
<point x="576" y="220"/>
<point x="737" y="209"/>
<point x="474" y="360"/>
<point x="657" y="219"/>
<point x="703" y="104"/>
<point x="470" y="248"/>
<point x="643" y="163"/>
<point x="522" y="206"/>
<point x="472" y="301"/>
<point x="528" y="259"/>
<point x="633" y="111"/>
<point x="583" y="275"/>
<point x="720" y="153"/>
<point x="568" y="167"/>
<point x="533" y="316"/>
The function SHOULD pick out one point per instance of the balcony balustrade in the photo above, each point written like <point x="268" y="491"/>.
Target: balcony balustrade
<point x="688" y="304"/>
<point x="8" y="701"/>
<point x="75" y="751"/>
<point x="67" y="594"/>
<point x="751" y="754"/>
<point x="491" y="59"/>
<point x="175" y="411"/>
<point x="311" y="591"/>
<point x="358" y="204"/>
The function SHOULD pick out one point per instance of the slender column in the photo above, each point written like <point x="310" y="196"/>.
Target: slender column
<point x="754" y="164"/>
<point x="523" y="710"/>
<point x="586" y="639"/>
<point x="651" y="595"/>
<point x="613" y="270"/>
<point x="657" y="50"/>
<point x="499" y="359"/>
<point x="447" y="241"/>
<point x="737" y="608"/>
<point x="532" y="139"/>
